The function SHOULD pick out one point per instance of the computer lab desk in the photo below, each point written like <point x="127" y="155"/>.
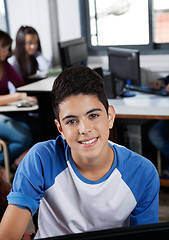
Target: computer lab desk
<point x="41" y="89"/>
<point x="12" y="108"/>
<point x="141" y="106"/>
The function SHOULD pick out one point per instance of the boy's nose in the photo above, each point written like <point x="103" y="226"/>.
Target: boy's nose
<point x="84" y="127"/>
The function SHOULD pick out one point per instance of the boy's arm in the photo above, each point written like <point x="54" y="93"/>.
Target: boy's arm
<point x="147" y="208"/>
<point x="167" y="87"/>
<point x="14" y="223"/>
<point x="146" y="213"/>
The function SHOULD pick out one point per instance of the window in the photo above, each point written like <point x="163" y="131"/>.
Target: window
<point x="119" y="22"/>
<point x="3" y="16"/>
<point x="161" y="21"/>
<point x="139" y="24"/>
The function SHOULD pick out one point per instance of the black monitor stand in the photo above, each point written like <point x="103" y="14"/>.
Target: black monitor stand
<point x="115" y="87"/>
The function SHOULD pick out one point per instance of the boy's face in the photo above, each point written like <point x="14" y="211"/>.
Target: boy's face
<point x="85" y="125"/>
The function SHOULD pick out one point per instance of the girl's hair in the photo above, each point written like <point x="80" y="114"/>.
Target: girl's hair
<point x="20" y="52"/>
<point x="5" y="40"/>
<point x="74" y="81"/>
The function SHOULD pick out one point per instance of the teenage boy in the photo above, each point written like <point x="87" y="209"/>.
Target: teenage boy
<point x="81" y="181"/>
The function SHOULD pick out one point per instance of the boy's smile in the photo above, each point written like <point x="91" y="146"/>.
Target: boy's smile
<point x="85" y="125"/>
<point x="88" y="142"/>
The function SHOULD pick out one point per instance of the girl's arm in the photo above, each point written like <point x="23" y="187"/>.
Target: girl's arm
<point x="167" y="87"/>
<point x="8" y="98"/>
<point x="14" y="223"/>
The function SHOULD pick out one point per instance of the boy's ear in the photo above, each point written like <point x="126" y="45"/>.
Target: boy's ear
<point x="59" y="127"/>
<point x="111" y="116"/>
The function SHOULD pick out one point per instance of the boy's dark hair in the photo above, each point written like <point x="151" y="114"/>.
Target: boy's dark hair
<point x="74" y="81"/>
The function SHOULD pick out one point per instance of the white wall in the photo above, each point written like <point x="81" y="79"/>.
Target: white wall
<point x="34" y="13"/>
<point x="49" y="18"/>
<point x="68" y="19"/>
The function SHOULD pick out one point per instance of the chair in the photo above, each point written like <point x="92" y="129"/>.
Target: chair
<point x="163" y="182"/>
<point x="3" y="147"/>
<point x="159" y="162"/>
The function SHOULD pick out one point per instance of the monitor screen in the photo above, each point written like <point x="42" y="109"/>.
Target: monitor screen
<point x="73" y="52"/>
<point x="141" y="232"/>
<point x="124" y="65"/>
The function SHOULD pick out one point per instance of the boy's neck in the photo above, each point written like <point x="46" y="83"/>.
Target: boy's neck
<point x="95" y="169"/>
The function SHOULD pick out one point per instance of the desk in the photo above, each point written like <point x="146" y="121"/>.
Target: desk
<point x="41" y="90"/>
<point x="145" y="106"/>
<point x="141" y="106"/>
<point x="42" y="86"/>
<point x="12" y="107"/>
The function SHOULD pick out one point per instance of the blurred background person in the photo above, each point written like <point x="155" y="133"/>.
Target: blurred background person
<point x="9" y="78"/>
<point x="28" y="58"/>
<point x="159" y="132"/>
<point x="13" y="129"/>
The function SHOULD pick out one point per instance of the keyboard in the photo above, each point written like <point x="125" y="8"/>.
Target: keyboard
<point x="146" y="89"/>
<point x="26" y="103"/>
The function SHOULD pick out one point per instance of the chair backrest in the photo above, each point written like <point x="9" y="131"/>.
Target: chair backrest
<point x="4" y="191"/>
<point x="4" y="147"/>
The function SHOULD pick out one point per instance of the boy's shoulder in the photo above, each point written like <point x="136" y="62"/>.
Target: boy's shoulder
<point x="136" y="171"/>
<point x="126" y="158"/>
<point x="45" y="159"/>
<point x="49" y="147"/>
<point x="49" y="153"/>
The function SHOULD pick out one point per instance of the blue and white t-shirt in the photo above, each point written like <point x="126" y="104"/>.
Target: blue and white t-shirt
<point x="69" y="203"/>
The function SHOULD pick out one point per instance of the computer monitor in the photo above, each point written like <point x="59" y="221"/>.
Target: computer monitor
<point x="140" y="232"/>
<point x="124" y="65"/>
<point x="73" y="52"/>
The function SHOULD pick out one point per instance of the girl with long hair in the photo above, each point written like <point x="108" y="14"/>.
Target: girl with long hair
<point x="28" y="58"/>
<point x="16" y="132"/>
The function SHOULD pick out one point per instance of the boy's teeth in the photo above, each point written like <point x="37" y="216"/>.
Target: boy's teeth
<point x="90" y="141"/>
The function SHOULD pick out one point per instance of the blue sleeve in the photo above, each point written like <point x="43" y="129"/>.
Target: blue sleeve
<point x="142" y="178"/>
<point x="36" y="173"/>
<point x="28" y="185"/>
<point x="147" y="208"/>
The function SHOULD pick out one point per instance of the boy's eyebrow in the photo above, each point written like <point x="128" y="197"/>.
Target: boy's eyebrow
<point x="93" y="110"/>
<point x="69" y="116"/>
<point x="74" y="116"/>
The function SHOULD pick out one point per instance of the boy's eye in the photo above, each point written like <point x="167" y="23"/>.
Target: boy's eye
<point x="93" y="115"/>
<point x="72" y="121"/>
